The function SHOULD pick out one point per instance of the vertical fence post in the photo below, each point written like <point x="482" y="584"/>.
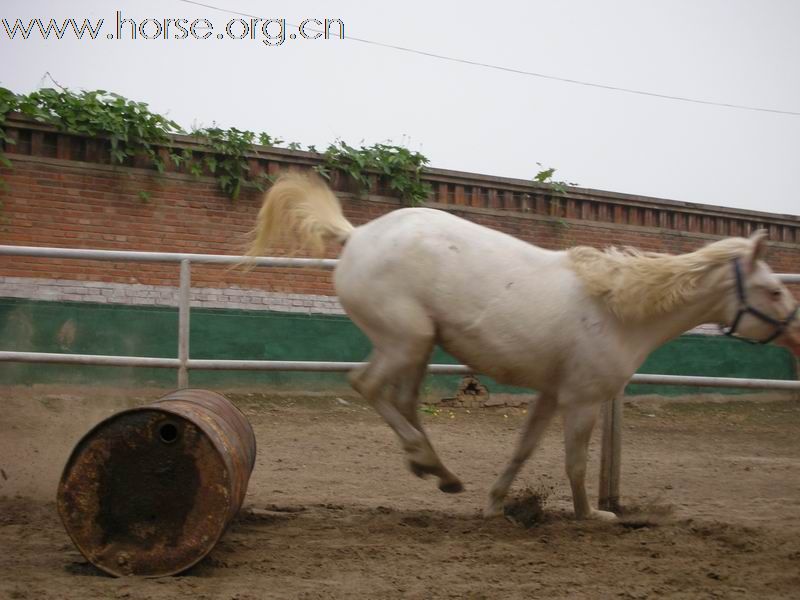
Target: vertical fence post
<point x="610" y="455"/>
<point x="183" y="322"/>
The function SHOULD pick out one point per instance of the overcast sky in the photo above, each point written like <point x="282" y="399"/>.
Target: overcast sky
<point x="468" y="117"/>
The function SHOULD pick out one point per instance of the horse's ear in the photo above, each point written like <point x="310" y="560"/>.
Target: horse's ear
<point x="759" y="239"/>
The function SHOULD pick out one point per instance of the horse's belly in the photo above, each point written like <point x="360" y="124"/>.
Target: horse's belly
<point x="506" y="359"/>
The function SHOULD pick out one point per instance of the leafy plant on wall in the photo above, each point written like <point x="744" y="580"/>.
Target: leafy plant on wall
<point x="8" y="102"/>
<point x="559" y="188"/>
<point x="228" y="159"/>
<point x="134" y="131"/>
<point x="545" y="176"/>
<point x="398" y="168"/>
<point x="130" y="127"/>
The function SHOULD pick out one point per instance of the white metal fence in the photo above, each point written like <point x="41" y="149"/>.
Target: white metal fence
<point x="610" y="460"/>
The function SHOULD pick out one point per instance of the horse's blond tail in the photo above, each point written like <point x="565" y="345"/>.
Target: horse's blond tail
<point x="300" y="213"/>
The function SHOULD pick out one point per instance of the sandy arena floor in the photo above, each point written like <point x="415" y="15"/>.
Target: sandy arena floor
<point x="331" y="511"/>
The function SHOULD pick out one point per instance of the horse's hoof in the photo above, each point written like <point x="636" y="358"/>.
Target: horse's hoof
<point x="600" y="515"/>
<point x="451" y="487"/>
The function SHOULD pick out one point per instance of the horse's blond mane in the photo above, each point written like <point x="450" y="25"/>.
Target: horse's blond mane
<point x="636" y="285"/>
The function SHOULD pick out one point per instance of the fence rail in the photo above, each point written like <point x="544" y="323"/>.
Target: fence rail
<point x="344" y="367"/>
<point x="612" y="428"/>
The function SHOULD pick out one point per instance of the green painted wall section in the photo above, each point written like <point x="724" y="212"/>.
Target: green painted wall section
<point x="84" y="328"/>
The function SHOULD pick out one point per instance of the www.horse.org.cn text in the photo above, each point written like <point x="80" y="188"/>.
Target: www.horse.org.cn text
<point x="270" y="32"/>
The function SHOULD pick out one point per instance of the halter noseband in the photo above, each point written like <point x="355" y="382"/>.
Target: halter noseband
<point x="745" y="308"/>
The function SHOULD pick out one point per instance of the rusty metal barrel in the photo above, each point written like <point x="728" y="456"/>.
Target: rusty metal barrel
<point x="150" y="491"/>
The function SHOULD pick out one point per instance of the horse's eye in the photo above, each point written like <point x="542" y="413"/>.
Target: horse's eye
<point x="776" y="294"/>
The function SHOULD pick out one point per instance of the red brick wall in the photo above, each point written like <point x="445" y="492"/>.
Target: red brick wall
<point x="52" y="199"/>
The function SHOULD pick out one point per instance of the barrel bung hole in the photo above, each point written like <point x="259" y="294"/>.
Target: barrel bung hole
<point x="168" y="433"/>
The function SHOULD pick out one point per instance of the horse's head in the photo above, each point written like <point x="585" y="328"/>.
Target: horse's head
<point x="761" y="308"/>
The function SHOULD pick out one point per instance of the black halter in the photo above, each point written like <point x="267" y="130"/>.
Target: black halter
<point x="745" y="308"/>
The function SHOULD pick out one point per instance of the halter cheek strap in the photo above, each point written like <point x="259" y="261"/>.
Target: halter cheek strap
<point x="745" y="308"/>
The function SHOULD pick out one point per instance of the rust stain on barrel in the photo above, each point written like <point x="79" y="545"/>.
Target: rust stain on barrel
<point x="149" y="491"/>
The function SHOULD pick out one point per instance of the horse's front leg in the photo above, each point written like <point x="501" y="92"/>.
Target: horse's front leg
<point x="539" y="416"/>
<point x="579" y="420"/>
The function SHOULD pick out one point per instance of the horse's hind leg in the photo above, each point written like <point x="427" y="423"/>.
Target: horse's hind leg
<point x="538" y="419"/>
<point x="408" y="386"/>
<point x="407" y="402"/>
<point x="390" y="383"/>
<point x="579" y="421"/>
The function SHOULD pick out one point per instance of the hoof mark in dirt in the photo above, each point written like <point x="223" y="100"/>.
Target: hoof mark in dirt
<point x="416" y="521"/>
<point x="645" y="515"/>
<point x="285" y="509"/>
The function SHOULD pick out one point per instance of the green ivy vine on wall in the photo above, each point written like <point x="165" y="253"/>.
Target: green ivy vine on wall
<point x="400" y="168"/>
<point x="133" y="131"/>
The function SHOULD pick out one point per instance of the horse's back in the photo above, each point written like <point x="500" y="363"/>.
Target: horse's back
<point x="427" y="241"/>
<point x="431" y="255"/>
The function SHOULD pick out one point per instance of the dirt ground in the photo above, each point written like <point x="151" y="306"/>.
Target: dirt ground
<point x="331" y="511"/>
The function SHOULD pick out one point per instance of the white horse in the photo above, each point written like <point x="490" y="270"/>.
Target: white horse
<point x="574" y="325"/>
